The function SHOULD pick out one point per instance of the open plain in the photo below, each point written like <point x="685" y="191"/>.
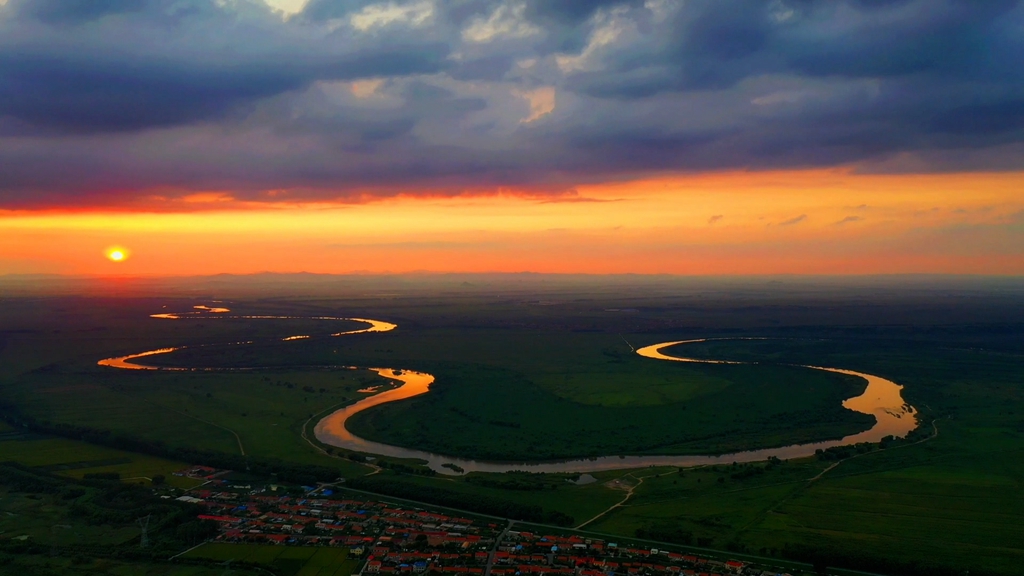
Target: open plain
<point x="548" y="372"/>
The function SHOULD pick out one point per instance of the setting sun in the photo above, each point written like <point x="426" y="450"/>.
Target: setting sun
<point x="117" y="254"/>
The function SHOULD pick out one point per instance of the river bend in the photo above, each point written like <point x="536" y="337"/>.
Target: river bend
<point x="881" y="398"/>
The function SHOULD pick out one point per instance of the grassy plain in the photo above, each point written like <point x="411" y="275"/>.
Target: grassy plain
<point x="955" y="500"/>
<point x="952" y="502"/>
<point x="76" y="459"/>
<point x="283" y="560"/>
<point x="260" y="414"/>
<point x="500" y="394"/>
<point x="48" y="566"/>
<point x="52" y="526"/>
<point x="526" y="395"/>
<point x="46" y="519"/>
<point x="549" y="491"/>
<point x="502" y="414"/>
<point x="49" y="371"/>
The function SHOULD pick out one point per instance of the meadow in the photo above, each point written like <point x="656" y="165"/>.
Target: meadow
<point x="81" y="566"/>
<point x="528" y="375"/>
<point x="499" y="394"/>
<point x="282" y="560"/>
<point x="244" y="414"/>
<point x="75" y="459"/>
<point x="501" y="414"/>
<point x="89" y="526"/>
<point x="527" y="395"/>
<point x="953" y="500"/>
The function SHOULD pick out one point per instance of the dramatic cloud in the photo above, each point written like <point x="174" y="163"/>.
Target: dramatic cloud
<point x="125" y="100"/>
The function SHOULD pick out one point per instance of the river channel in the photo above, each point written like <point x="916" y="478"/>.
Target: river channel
<point x="881" y="399"/>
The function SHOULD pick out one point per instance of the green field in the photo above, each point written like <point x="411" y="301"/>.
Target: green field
<point x="501" y="414"/>
<point x="955" y="500"/>
<point x="42" y="513"/>
<point x="510" y="395"/>
<point x="82" y="566"/>
<point x="51" y="525"/>
<point x="46" y="519"/>
<point x="283" y="560"/>
<point x="261" y="414"/>
<point x="76" y="459"/>
<point x="517" y="377"/>
<point x="499" y="394"/>
<point x="551" y="492"/>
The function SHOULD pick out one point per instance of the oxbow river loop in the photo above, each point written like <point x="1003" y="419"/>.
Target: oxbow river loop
<point x="881" y="398"/>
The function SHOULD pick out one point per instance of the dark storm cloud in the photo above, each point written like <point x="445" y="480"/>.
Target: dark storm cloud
<point x="102" y="101"/>
<point x="70" y="11"/>
<point x="716" y="43"/>
<point x="571" y="12"/>
<point x="99" y="66"/>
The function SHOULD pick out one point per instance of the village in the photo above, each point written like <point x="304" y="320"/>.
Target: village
<point x="391" y="538"/>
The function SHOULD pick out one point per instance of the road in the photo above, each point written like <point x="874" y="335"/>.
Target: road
<point x="497" y="542"/>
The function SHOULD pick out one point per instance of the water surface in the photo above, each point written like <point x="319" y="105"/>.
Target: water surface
<point x="881" y="398"/>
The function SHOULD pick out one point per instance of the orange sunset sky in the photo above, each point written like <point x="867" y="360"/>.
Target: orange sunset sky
<point x="803" y="222"/>
<point x="607" y="136"/>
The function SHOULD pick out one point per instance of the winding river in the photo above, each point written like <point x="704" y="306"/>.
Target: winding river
<point x="881" y="399"/>
<point x="205" y="312"/>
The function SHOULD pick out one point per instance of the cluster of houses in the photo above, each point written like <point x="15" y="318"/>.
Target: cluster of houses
<point x="521" y="553"/>
<point x="402" y="539"/>
<point x="368" y="528"/>
<point x="201" y="472"/>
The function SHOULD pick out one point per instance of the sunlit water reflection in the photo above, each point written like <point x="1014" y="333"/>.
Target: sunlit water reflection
<point x="205" y="312"/>
<point x="881" y="399"/>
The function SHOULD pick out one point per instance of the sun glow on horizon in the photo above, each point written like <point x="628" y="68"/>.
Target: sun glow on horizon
<point x="803" y="222"/>
<point x="117" y="254"/>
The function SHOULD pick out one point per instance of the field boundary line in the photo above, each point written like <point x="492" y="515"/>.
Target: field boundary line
<point x="238" y="439"/>
<point x="803" y="486"/>
<point x="189" y="550"/>
<point x="186" y="414"/>
<point x="631" y="347"/>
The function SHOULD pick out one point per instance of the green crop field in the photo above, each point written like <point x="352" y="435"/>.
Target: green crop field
<point x="283" y="560"/>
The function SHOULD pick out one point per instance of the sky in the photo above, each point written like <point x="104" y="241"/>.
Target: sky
<point x="600" y="136"/>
